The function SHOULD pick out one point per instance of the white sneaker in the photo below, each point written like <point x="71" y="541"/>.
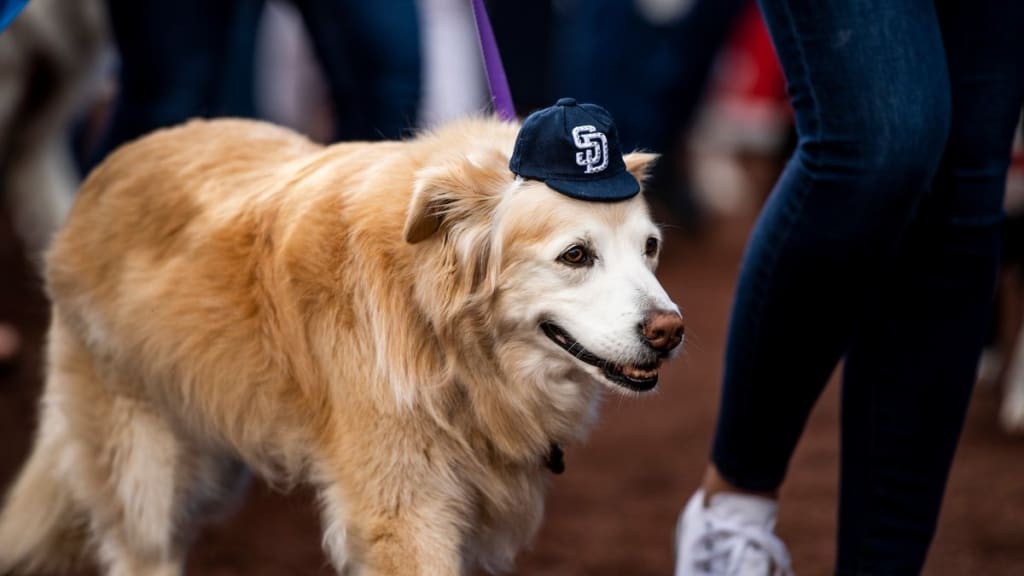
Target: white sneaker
<point x="732" y="536"/>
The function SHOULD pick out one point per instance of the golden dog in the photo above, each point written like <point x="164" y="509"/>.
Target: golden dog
<point x="406" y="326"/>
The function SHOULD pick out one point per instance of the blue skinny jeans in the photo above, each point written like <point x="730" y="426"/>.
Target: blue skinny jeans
<point x="879" y="244"/>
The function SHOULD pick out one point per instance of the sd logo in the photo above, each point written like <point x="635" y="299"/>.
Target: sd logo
<point x="595" y="148"/>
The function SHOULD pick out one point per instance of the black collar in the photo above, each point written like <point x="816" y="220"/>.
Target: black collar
<point x="556" y="459"/>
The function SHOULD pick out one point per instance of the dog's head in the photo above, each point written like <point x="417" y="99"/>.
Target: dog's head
<point x="579" y="277"/>
<point x="559" y="289"/>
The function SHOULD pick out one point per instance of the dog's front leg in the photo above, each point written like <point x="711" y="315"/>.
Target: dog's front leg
<point x="411" y="546"/>
<point x="420" y="536"/>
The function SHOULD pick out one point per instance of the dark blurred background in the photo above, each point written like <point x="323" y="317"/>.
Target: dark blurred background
<point x="695" y="80"/>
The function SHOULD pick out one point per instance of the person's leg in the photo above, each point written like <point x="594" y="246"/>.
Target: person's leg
<point x="370" y="55"/>
<point x="870" y="93"/>
<point x="179" y="60"/>
<point x="525" y="32"/>
<point x="911" y="364"/>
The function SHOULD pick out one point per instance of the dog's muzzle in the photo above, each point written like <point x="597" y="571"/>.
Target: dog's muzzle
<point x="636" y="377"/>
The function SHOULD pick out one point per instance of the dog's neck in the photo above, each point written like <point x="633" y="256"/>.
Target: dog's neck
<point x="512" y="417"/>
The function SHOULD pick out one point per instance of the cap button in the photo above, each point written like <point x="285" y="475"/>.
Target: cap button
<point x="566" y="102"/>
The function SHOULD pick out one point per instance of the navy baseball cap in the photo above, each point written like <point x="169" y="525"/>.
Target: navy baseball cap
<point x="574" y="149"/>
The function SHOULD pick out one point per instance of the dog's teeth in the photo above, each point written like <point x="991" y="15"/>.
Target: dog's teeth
<point x="639" y="373"/>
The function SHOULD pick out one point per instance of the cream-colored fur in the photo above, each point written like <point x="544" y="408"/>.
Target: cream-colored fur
<point x="362" y="317"/>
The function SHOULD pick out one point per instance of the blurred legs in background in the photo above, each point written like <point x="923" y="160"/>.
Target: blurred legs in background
<point x="648" y="63"/>
<point x="179" y="60"/>
<point x="194" y="58"/>
<point x="370" y="55"/>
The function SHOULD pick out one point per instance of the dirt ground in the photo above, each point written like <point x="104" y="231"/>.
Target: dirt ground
<point x="614" y="510"/>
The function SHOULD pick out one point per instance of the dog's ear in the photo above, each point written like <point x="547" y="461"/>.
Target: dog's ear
<point x="459" y="188"/>
<point x="640" y="164"/>
<point x="425" y="209"/>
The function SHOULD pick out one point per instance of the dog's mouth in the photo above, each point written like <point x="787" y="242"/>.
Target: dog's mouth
<point x="636" y="377"/>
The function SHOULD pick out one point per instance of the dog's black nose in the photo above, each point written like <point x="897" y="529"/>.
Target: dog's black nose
<point x="663" y="330"/>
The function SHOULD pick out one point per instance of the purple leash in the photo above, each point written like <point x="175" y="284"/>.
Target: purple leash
<point x="501" y="96"/>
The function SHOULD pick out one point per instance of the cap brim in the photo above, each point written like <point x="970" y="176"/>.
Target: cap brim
<point x="621" y="186"/>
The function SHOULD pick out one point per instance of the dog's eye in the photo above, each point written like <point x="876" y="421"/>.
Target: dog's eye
<point x="575" y="255"/>
<point x="651" y="249"/>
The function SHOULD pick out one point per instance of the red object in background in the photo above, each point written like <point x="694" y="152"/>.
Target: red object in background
<point x="748" y="90"/>
<point x="1015" y="177"/>
<point x="749" y="68"/>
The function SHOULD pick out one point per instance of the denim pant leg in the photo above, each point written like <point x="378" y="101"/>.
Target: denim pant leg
<point x="912" y="362"/>
<point x="180" y="60"/>
<point x="870" y="91"/>
<point x="370" y="54"/>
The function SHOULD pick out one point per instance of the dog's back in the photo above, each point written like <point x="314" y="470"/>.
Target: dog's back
<point x="165" y="270"/>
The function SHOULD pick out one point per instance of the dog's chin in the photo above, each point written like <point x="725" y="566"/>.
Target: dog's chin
<point x="638" y="378"/>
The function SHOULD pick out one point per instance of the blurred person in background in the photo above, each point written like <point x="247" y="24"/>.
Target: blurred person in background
<point x="183" y="60"/>
<point x="880" y="244"/>
<point x="652" y="79"/>
<point x="186" y="59"/>
<point x="195" y="58"/>
<point x="1002" y="363"/>
<point x="291" y="91"/>
<point x="48" y="58"/>
<point x="660" y="80"/>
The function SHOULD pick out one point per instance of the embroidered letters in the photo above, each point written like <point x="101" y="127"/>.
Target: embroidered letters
<point x="594" y="146"/>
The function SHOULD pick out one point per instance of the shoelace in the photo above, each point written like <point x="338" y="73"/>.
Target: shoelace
<point x="728" y="541"/>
